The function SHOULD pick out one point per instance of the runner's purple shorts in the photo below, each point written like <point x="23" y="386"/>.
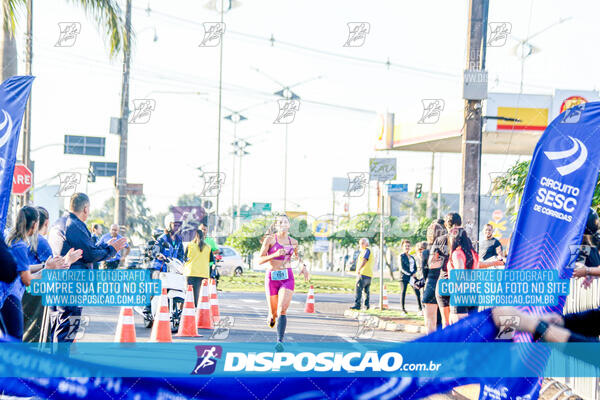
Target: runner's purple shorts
<point x="273" y="286"/>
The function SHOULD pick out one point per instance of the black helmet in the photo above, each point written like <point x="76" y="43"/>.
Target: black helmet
<point x="592" y="223"/>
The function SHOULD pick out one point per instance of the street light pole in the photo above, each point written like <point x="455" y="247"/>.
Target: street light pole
<point x="219" y="122"/>
<point x="471" y="140"/>
<point x="27" y="119"/>
<point x="121" y="201"/>
<point x="285" y="168"/>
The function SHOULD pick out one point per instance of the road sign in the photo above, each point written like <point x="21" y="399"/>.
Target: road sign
<point x="321" y="245"/>
<point x="135" y="189"/>
<point x="397" y="187"/>
<point x="340" y="184"/>
<point x="22" y="179"/>
<point x="322" y="228"/>
<point x="261" y="207"/>
<point x="115" y="125"/>
<point x="85" y="145"/>
<point x="101" y="168"/>
<point x="382" y="169"/>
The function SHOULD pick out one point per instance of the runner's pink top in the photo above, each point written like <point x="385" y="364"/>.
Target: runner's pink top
<point x="289" y="250"/>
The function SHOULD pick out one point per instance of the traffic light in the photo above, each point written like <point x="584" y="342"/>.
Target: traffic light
<point x="418" y="191"/>
<point x="91" y="175"/>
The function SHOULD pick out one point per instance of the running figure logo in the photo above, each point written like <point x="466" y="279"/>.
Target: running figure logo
<point x="212" y="184"/>
<point x="366" y="327"/>
<point x="357" y="182"/>
<point x="142" y="111"/>
<point x="207" y="359"/>
<point x="68" y="183"/>
<point x="499" y="32"/>
<point x="68" y="34"/>
<point x="357" y="33"/>
<point x="508" y="327"/>
<point x="432" y="109"/>
<point x="573" y="114"/>
<point x="287" y="111"/>
<point x="213" y="31"/>
<point x="222" y="328"/>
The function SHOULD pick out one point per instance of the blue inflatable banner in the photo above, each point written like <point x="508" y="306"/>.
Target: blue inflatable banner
<point x="553" y="213"/>
<point x="14" y="93"/>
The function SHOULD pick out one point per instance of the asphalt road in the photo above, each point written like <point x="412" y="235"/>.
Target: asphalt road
<point x="248" y="313"/>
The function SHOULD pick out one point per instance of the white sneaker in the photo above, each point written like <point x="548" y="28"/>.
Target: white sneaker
<point x="403" y="314"/>
<point x="420" y="313"/>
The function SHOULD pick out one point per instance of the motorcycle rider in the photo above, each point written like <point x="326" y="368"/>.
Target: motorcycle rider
<point x="169" y="244"/>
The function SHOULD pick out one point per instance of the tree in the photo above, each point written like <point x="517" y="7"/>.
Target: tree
<point x="248" y="238"/>
<point x="367" y="225"/>
<point x="139" y="222"/>
<point x="512" y="184"/>
<point x="419" y="206"/>
<point x="106" y="13"/>
<point x="189" y="199"/>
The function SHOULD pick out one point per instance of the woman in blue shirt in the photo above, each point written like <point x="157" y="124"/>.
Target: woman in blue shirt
<point x="20" y="240"/>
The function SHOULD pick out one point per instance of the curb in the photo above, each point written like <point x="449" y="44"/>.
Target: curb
<point x="387" y="325"/>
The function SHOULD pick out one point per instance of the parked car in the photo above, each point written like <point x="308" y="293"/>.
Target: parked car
<point x="232" y="262"/>
<point x="135" y="258"/>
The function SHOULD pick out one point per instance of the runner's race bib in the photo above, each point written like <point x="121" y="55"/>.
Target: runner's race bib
<point x="280" y="275"/>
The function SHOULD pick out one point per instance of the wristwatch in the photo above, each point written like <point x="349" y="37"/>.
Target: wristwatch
<point x="540" y="330"/>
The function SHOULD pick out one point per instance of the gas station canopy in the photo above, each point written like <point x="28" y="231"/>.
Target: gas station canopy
<point x="512" y="124"/>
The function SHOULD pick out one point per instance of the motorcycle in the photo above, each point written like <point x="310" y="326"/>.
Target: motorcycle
<point x="176" y="284"/>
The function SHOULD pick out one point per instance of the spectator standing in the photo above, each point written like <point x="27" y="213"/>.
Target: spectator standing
<point x="96" y="235"/>
<point x="8" y="269"/>
<point x="22" y="239"/>
<point x="408" y="270"/>
<point x="69" y="232"/>
<point x="364" y="274"/>
<point x="432" y="274"/>
<point x="113" y="234"/>
<point x="33" y="310"/>
<point x="462" y="256"/>
<point x="96" y="232"/>
<point x="198" y="256"/>
<point x="438" y="258"/>
<point x="490" y="249"/>
<point x="215" y="251"/>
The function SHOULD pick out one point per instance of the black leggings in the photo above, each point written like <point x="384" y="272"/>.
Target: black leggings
<point x="196" y="283"/>
<point x="404" y="285"/>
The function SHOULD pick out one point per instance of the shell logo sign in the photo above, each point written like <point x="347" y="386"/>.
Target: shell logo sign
<point x="322" y="228"/>
<point x="571" y="101"/>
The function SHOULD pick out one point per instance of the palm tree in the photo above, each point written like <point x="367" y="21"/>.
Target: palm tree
<point x="106" y="13"/>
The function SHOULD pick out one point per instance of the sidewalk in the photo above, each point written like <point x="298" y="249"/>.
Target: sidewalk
<point x="393" y="321"/>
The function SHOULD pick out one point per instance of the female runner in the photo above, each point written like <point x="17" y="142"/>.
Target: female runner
<point x="278" y="249"/>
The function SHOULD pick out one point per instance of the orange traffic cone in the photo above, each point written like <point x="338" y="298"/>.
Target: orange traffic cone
<point x="310" y="300"/>
<point x="125" y="327"/>
<point x="385" y="298"/>
<point x="214" y="301"/>
<point x="203" y="315"/>
<point x="188" y="324"/>
<point x="161" y="329"/>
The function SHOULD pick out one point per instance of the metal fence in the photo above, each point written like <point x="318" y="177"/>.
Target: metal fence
<point x="581" y="299"/>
